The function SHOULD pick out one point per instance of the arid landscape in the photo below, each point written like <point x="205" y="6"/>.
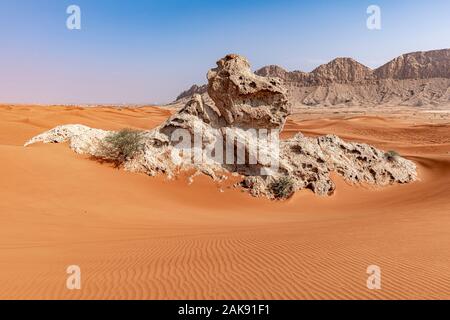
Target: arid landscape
<point x="140" y="237"/>
<point x="224" y="159"/>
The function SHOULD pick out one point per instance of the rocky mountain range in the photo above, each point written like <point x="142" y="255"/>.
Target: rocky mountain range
<point x="413" y="79"/>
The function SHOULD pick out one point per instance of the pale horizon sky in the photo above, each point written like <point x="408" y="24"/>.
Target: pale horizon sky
<point x="148" y="51"/>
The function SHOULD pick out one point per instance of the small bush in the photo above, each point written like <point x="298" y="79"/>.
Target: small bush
<point x="392" y="155"/>
<point x="121" y="146"/>
<point x="282" y="188"/>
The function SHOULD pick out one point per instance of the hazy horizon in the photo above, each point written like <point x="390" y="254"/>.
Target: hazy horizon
<point x="142" y="52"/>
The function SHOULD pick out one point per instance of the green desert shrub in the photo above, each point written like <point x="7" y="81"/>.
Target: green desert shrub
<point x="282" y="188"/>
<point x="392" y="155"/>
<point x="121" y="146"/>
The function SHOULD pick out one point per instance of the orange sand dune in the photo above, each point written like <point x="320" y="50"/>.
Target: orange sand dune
<point x="137" y="237"/>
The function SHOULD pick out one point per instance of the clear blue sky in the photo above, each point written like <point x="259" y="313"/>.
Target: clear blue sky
<point x="144" y="51"/>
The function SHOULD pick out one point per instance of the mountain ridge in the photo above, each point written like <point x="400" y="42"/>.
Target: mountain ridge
<point x="416" y="78"/>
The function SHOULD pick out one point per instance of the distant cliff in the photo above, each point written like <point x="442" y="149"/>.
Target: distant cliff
<point x="415" y="79"/>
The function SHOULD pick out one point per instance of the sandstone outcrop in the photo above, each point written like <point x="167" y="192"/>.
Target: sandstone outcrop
<point x="310" y="161"/>
<point x="82" y="138"/>
<point x="238" y="133"/>
<point x="244" y="99"/>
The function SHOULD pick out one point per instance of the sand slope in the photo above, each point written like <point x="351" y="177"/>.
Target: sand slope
<point x="136" y="237"/>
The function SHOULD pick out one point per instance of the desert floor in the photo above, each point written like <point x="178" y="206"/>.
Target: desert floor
<point x="137" y="237"/>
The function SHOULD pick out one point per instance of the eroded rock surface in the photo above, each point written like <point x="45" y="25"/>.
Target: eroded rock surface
<point x="310" y="161"/>
<point x="83" y="140"/>
<point x="246" y="105"/>
<point x="244" y="99"/>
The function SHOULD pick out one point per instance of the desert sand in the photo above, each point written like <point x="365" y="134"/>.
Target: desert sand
<point x="137" y="237"/>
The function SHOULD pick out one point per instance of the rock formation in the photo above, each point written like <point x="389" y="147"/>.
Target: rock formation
<point x="244" y="99"/>
<point x="238" y="133"/>
<point x="417" y="65"/>
<point x="414" y="79"/>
